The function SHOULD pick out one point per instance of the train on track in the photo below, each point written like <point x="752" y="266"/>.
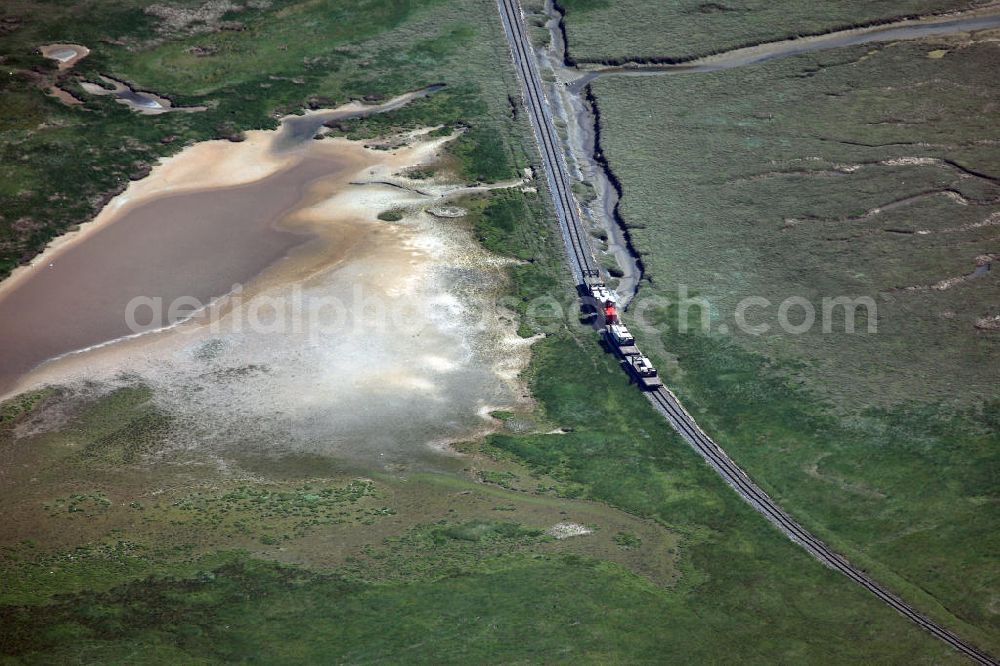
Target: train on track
<point x="599" y="300"/>
<point x="617" y="335"/>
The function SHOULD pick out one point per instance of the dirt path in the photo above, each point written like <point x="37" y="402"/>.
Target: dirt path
<point x="978" y="19"/>
<point x="586" y="163"/>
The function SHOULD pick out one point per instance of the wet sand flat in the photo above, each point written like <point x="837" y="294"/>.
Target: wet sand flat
<point x="66" y="55"/>
<point x="196" y="244"/>
<point x="376" y="342"/>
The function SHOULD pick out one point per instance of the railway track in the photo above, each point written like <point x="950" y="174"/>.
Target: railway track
<point x="556" y="172"/>
<point x="664" y="401"/>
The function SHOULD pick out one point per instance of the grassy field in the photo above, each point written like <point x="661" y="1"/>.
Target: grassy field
<point x="610" y="31"/>
<point x="120" y="548"/>
<point x="169" y="558"/>
<point x="859" y="172"/>
<point x="854" y="173"/>
<point x="428" y="568"/>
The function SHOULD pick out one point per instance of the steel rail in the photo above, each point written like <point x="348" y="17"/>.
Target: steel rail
<point x="556" y="172"/>
<point x="739" y="480"/>
<point x="582" y="263"/>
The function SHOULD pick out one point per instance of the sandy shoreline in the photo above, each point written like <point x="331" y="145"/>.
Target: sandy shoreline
<point x="201" y="167"/>
<point x="210" y="171"/>
<point x="212" y="164"/>
<point x="189" y="247"/>
<point x="344" y="380"/>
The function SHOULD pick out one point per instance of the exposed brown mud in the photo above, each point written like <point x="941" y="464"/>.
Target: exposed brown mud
<point x="195" y="244"/>
<point x="66" y="55"/>
<point x="348" y="335"/>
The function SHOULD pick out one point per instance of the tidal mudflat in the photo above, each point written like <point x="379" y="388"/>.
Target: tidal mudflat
<point x="347" y="334"/>
<point x="196" y="244"/>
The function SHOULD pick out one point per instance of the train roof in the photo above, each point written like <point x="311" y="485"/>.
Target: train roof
<point x="620" y="333"/>
<point x="600" y="292"/>
<point x="641" y="362"/>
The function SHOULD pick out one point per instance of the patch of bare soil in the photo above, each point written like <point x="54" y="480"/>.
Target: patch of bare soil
<point x="142" y="102"/>
<point x="66" y="55"/>
<point x="988" y="323"/>
<point x="64" y="96"/>
<point x="177" y="21"/>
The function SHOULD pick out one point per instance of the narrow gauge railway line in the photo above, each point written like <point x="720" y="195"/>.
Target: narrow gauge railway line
<point x="584" y="266"/>
<point x="667" y="404"/>
<point x="557" y="174"/>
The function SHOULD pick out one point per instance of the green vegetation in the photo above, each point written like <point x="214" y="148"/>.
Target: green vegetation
<point x="89" y="505"/>
<point x="772" y="190"/>
<point x="499" y="221"/>
<point x="481" y="153"/>
<point x="857" y="172"/>
<point x="627" y="541"/>
<point x="615" y="30"/>
<point x="120" y="428"/>
<point x="289" y="38"/>
<point x="394" y="215"/>
<point x="122" y="547"/>
<point x="421" y="173"/>
<point x="499" y="478"/>
<point x="909" y="490"/>
<point x="299" y="509"/>
<point x="434" y="579"/>
<point x="449" y="107"/>
<point x="620" y="452"/>
<point x="459" y="586"/>
<point x="550" y="609"/>
<point x="768" y="192"/>
<point x="446" y="549"/>
<point x="584" y="5"/>
<point x="480" y="530"/>
<point x="15" y="409"/>
<point x="33" y="578"/>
